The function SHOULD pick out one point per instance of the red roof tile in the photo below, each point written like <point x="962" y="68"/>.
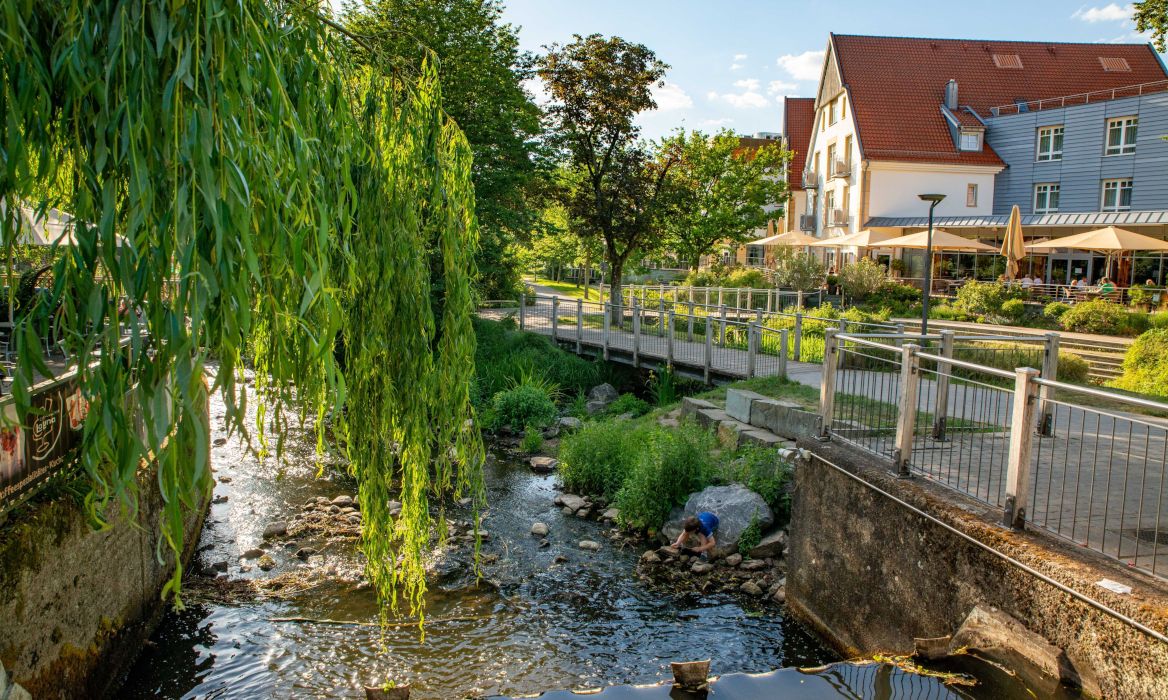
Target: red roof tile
<point x="897" y="85"/>
<point x="798" y="123"/>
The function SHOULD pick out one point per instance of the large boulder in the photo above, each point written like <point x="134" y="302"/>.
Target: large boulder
<point x="735" y="505"/>
<point x="600" y="397"/>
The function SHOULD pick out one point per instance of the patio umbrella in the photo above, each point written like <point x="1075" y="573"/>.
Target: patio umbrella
<point x="1013" y="247"/>
<point x="860" y="239"/>
<point x="769" y="240"/>
<point x="1109" y="240"/>
<point x="795" y="238"/>
<point x="942" y="240"/>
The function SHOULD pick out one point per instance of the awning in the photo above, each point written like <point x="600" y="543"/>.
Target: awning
<point x="1089" y="218"/>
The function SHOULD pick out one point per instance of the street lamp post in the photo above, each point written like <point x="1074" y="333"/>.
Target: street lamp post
<point x="934" y="200"/>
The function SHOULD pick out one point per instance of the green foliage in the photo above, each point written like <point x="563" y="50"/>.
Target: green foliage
<point x="760" y="470"/>
<point x="947" y="312"/>
<point x="720" y="276"/>
<point x="745" y="277"/>
<point x="1145" y="366"/>
<point x="798" y="270"/>
<point x="252" y="190"/>
<point x="1104" y="318"/>
<point x="1151" y="16"/>
<point x="1013" y="309"/>
<point x="598" y="458"/>
<point x="861" y="279"/>
<point x="985" y="298"/>
<point x="1009" y="356"/>
<point x="719" y="191"/>
<point x="898" y="298"/>
<point x="627" y="403"/>
<point x="523" y="406"/>
<point x="1158" y="320"/>
<point x="750" y="536"/>
<point x="532" y="440"/>
<point x="663" y="387"/>
<point x="670" y="465"/>
<point x="1055" y="310"/>
<point x="505" y="355"/>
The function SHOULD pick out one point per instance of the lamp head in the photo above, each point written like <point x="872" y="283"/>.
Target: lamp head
<point x="934" y="198"/>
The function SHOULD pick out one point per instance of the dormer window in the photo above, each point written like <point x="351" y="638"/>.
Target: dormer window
<point x="969" y="139"/>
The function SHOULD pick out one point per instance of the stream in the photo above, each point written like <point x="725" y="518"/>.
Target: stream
<point x="557" y="617"/>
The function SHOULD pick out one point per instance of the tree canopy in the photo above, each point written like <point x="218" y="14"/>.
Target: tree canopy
<point x="1152" y="16"/>
<point x="256" y="195"/>
<point x="722" y="190"/>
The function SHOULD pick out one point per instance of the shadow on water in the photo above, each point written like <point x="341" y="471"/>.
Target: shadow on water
<point x="586" y="621"/>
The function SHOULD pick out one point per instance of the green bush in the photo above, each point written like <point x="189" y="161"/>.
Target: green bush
<point x="1104" y="318"/>
<point x="750" y="537"/>
<point x="746" y="278"/>
<point x="862" y="279"/>
<point x="627" y="403"/>
<point x="760" y="470"/>
<point x="895" y="298"/>
<point x="670" y="465"/>
<point x="1013" y="309"/>
<point x="522" y="406"/>
<point x="1072" y="368"/>
<point x="985" y="298"/>
<point x="1055" y="310"/>
<point x="532" y="440"/>
<point x="504" y="355"/>
<point x="1145" y="366"/>
<point x="1158" y="320"/>
<point x="598" y="458"/>
<point x="947" y="312"/>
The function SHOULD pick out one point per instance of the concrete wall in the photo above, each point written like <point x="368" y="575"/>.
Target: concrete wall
<point x="872" y="575"/>
<point x="77" y="604"/>
<point x="896" y="188"/>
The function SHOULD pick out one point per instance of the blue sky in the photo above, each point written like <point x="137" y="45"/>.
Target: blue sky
<point x="732" y="60"/>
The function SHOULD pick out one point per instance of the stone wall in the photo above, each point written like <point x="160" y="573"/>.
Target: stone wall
<point x="76" y="604"/>
<point x="873" y="575"/>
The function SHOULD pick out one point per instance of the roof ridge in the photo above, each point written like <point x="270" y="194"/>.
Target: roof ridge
<point x="956" y="40"/>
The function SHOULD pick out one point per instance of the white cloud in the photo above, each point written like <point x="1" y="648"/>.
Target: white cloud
<point x="1112" y="12"/>
<point x="749" y="98"/>
<point x="805" y="66"/>
<point x="735" y="66"/>
<point x="724" y="121"/>
<point x="779" y="87"/>
<point x="671" y="96"/>
<point x="748" y="84"/>
<point x="739" y="57"/>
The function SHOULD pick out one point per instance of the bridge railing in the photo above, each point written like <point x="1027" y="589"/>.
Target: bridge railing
<point x="768" y="299"/>
<point x="1082" y="463"/>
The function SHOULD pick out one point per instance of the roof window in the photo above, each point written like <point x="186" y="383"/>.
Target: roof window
<point x="1008" y="60"/>
<point x="1112" y="64"/>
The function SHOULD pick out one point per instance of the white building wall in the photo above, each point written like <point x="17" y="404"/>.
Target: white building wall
<point x="836" y="134"/>
<point x="895" y="189"/>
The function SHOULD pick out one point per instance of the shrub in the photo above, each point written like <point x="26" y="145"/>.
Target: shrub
<point x="746" y="278"/>
<point x="627" y="403"/>
<point x="946" y="312"/>
<point x="504" y="355"/>
<point x="1105" y="318"/>
<point x="1009" y="356"/>
<point x="1013" y="309"/>
<point x="896" y="297"/>
<point x="670" y="465"/>
<point x="1145" y="366"/>
<point x="1158" y="320"/>
<point x="663" y="387"/>
<point x="760" y="470"/>
<point x="1055" y="310"/>
<point x="532" y="440"/>
<point x="597" y="458"/>
<point x="985" y="298"/>
<point x="750" y="537"/>
<point x="522" y="406"/>
<point x="861" y="279"/>
<point x="796" y="270"/>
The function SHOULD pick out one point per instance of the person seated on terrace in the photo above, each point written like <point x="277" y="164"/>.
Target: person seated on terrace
<point x="1105" y="286"/>
<point x="1027" y="282"/>
<point x="1149" y="283"/>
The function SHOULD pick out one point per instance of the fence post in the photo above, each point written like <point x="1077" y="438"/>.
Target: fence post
<point x="827" y="387"/>
<point x="944" y="369"/>
<point x="607" y="322"/>
<point x="669" y="340"/>
<point x="1021" y="434"/>
<point x="738" y="298"/>
<point x="783" y="337"/>
<point x="709" y="356"/>
<point x="798" y="336"/>
<point x="799" y="300"/>
<point x="752" y="333"/>
<point x="907" y="417"/>
<point x="636" y="332"/>
<point x="900" y="332"/>
<point x="707" y="302"/>
<point x="689" y="323"/>
<point x="522" y="311"/>
<point x="661" y="315"/>
<point x="721" y="290"/>
<point x="722" y="327"/>
<point x="750" y="298"/>
<point x="1046" y="393"/>
<point x="555" y="318"/>
<point x="579" y="326"/>
<point x="770" y="301"/>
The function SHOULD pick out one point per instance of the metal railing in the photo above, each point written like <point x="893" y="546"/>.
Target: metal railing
<point x="768" y="299"/>
<point x="1067" y="459"/>
<point x="1081" y="98"/>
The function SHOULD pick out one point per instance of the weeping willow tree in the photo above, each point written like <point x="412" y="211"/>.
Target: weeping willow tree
<point x="251" y="194"/>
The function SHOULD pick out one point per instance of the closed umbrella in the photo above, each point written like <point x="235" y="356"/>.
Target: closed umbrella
<point x="1013" y="247"/>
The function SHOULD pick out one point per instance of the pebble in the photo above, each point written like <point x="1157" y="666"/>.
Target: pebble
<point x="560" y="559"/>
<point x="753" y="565"/>
<point x="750" y="588"/>
<point x="583" y="513"/>
<point x="544" y="543"/>
<point x="650" y="557"/>
<point x="219" y="566"/>
<point x="567" y="511"/>
<point x="304" y="553"/>
<point x="219" y="499"/>
<point x="734" y="559"/>
<point x="539" y="529"/>
<point x="219" y="442"/>
<point x="276" y="529"/>
<point x="780" y="596"/>
<point x="266" y="563"/>
<point x="701" y="567"/>
<point x="590" y="545"/>
<point x="465" y="502"/>
<point x="610" y="514"/>
<point x="244" y="569"/>
<point x="253" y="553"/>
<point x="225" y="480"/>
<point x="342" y="501"/>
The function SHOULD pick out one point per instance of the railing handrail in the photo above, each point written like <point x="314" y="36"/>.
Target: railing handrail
<point x="1061" y="101"/>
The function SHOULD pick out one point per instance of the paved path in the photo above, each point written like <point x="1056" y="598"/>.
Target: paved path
<point x="1098" y="479"/>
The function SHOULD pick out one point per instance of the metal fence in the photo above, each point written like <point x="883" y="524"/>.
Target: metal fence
<point x="1075" y="461"/>
<point x="767" y="299"/>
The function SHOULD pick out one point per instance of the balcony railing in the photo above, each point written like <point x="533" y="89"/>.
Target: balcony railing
<point x="810" y="180"/>
<point x="838" y="218"/>
<point x="807" y="222"/>
<point x="1081" y="98"/>
<point x="841" y="168"/>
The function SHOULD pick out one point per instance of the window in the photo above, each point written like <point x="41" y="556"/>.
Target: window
<point x="828" y="203"/>
<point x="970" y="141"/>
<point x="1121" y="136"/>
<point x="848" y="150"/>
<point x="1117" y="194"/>
<point x="1046" y="198"/>
<point x="1050" y="143"/>
<point x="837" y="109"/>
<point x="755" y="255"/>
<point x="831" y="159"/>
<point x="971" y="195"/>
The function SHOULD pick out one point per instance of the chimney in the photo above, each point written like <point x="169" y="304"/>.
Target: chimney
<point x="951" y="94"/>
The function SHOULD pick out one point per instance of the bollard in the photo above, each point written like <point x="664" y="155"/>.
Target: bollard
<point x="1021" y="434"/>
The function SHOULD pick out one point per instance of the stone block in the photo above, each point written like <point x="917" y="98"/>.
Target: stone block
<point x="710" y="417"/>
<point x="738" y="403"/>
<point x="762" y="438"/>
<point x="770" y="546"/>
<point x="690" y="406"/>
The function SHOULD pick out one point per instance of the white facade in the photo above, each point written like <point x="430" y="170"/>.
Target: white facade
<point x="833" y="160"/>
<point x="893" y="189"/>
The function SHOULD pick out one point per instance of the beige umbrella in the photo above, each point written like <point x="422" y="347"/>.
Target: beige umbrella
<point x="769" y="240"/>
<point x="942" y="240"/>
<point x="860" y="239"/>
<point x="1110" y="240"/>
<point x="795" y="238"/>
<point x="1013" y="246"/>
